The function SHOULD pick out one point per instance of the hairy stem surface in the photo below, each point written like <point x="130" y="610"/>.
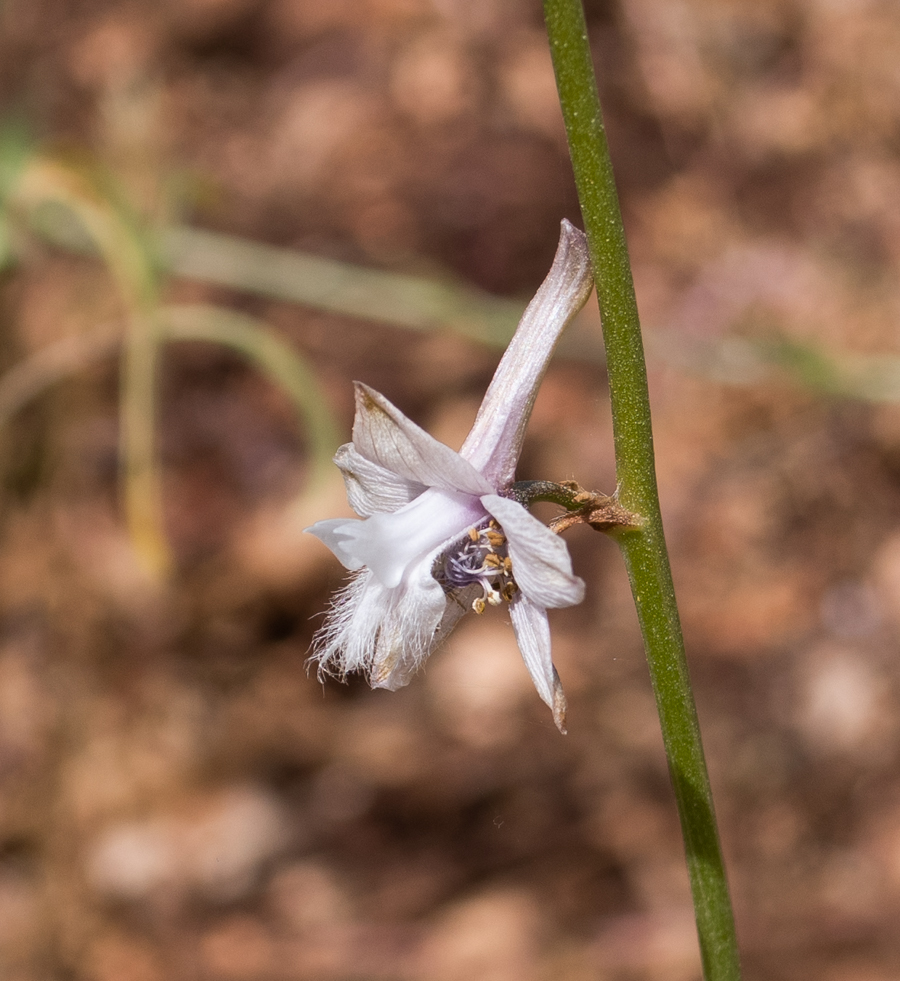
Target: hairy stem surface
<point x="644" y="547"/>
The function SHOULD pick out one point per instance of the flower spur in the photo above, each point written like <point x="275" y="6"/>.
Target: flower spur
<point x="441" y="532"/>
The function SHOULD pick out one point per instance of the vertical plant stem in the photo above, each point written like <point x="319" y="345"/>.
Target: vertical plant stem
<point x="127" y="255"/>
<point x="644" y="550"/>
<point x="142" y="492"/>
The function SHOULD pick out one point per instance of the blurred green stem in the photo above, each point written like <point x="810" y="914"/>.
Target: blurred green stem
<point x="273" y="357"/>
<point x="644" y="549"/>
<point x="246" y="335"/>
<point x="372" y="294"/>
<point x="128" y="257"/>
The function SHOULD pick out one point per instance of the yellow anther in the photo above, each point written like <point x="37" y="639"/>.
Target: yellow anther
<point x="507" y="565"/>
<point x="495" y="538"/>
<point x="509" y="590"/>
<point x="474" y="534"/>
<point x="494" y="598"/>
<point x="478" y="605"/>
<point x="493" y="561"/>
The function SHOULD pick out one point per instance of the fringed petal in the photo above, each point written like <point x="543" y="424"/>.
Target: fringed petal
<point x="387" y="633"/>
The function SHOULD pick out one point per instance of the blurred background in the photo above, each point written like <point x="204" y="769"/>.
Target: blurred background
<point x="193" y="198"/>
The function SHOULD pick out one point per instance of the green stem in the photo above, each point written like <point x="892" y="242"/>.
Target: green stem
<point x="128" y="259"/>
<point x="281" y="364"/>
<point x="643" y="548"/>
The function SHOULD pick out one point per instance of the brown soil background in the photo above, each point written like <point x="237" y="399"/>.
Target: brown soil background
<point x="178" y="799"/>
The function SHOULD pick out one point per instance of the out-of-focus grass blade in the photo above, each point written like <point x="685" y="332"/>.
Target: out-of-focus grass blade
<point x="126" y="249"/>
<point x="755" y="361"/>
<point x="51" y="364"/>
<point x="868" y="377"/>
<point x="281" y="364"/>
<point x="393" y="298"/>
<point x="415" y="302"/>
<point x="16" y="148"/>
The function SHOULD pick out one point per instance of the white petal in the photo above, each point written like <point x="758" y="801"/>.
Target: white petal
<point x="345" y="642"/>
<point x="387" y="633"/>
<point x="533" y="637"/>
<point x="541" y="564"/>
<point x="494" y="444"/>
<point x="392" y="544"/>
<point x="371" y="489"/>
<point x="337" y="534"/>
<point x="382" y="434"/>
<point x="420" y="617"/>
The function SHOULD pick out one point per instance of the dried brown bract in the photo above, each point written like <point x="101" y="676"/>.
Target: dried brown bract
<point x="601" y="511"/>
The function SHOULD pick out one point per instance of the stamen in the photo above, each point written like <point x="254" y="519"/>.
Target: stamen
<point x="480" y="557"/>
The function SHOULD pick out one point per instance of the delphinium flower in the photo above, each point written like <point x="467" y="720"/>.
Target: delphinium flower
<point x="442" y="532"/>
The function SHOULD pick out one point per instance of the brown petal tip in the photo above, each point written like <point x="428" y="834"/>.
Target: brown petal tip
<point x="559" y="704"/>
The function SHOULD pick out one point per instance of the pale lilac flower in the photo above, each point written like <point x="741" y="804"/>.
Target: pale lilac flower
<point x="440" y="531"/>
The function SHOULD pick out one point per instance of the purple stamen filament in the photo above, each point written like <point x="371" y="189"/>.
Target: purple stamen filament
<point x="481" y="557"/>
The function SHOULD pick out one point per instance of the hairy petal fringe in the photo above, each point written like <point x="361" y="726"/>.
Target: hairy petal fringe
<point x="385" y="632"/>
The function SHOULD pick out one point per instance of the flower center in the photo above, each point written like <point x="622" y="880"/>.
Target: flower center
<point x="481" y="557"/>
